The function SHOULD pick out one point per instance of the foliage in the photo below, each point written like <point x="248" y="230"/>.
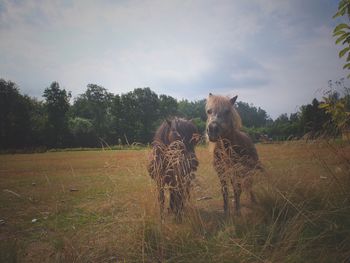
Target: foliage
<point x="145" y="111"/>
<point x="82" y="130"/>
<point x="252" y="116"/>
<point x="18" y="117"/>
<point x="314" y="119"/>
<point x="137" y="113"/>
<point x="338" y="107"/>
<point x="284" y="127"/>
<point x="194" y="110"/>
<point x="342" y="32"/>
<point x="93" y="105"/>
<point x="168" y="106"/>
<point x="98" y="117"/>
<point x="57" y="106"/>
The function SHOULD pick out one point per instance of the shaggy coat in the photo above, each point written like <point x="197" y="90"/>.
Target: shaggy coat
<point x="173" y="161"/>
<point x="235" y="156"/>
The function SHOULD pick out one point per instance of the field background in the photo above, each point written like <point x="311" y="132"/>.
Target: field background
<point x="100" y="206"/>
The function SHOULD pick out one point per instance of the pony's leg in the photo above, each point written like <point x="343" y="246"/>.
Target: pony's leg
<point x="252" y="197"/>
<point x="161" y="199"/>
<point x="180" y="205"/>
<point x="172" y="202"/>
<point x="248" y="184"/>
<point x="224" y="191"/>
<point x="187" y="191"/>
<point x="237" y="189"/>
<point x="176" y="203"/>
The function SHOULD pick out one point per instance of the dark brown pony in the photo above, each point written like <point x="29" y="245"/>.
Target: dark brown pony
<point x="235" y="156"/>
<point x="173" y="162"/>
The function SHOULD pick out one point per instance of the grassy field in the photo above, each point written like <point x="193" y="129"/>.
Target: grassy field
<point x="100" y="206"/>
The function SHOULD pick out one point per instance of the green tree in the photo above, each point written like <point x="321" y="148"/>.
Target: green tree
<point x="194" y="110"/>
<point x="38" y="121"/>
<point x="148" y="111"/>
<point x="252" y="116"/>
<point x="116" y="120"/>
<point x="128" y="123"/>
<point x="144" y="113"/>
<point x="83" y="132"/>
<point x="57" y="106"/>
<point x="15" y="117"/>
<point x="338" y="108"/>
<point x="342" y="32"/>
<point x="280" y="129"/>
<point x="313" y="119"/>
<point x="94" y="105"/>
<point x="167" y="106"/>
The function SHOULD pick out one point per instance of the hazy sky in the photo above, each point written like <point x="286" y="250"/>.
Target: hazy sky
<point x="275" y="54"/>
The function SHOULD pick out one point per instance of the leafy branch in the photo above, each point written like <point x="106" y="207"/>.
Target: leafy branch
<point x="342" y="32"/>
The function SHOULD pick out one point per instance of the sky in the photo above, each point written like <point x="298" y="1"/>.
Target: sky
<point x="275" y="54"/>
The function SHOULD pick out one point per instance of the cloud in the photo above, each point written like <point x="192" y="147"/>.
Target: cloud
<point x="275" y="54"/>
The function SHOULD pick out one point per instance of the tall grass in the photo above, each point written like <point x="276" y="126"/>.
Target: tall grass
<point x="302" y="215"/>
<point x="302" y="212"/>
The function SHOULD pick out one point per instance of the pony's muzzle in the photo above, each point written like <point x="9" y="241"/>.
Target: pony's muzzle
<point x="213" y="131"/>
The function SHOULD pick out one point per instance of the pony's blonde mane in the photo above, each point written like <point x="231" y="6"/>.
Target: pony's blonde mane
<point x="221" y="103"/>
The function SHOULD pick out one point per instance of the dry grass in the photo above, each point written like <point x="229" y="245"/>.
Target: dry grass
<point x="101" y="207"/>
<point x="172" y="167"/>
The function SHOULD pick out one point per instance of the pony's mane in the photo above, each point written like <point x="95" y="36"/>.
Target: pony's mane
<point x="221" y="103"/>
<point x="184" y="127"/>
<point x="161" y="134"/>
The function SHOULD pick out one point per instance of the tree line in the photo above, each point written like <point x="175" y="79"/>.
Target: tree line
<point x="325" y="118"/>
<point x="93" y="118"/>
<point x="98" y="117"/>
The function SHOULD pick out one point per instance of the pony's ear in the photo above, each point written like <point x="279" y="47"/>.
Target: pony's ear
<point x="168" y="122"/>
<point x="210" y="94"/>
<point x="233" y="100"/>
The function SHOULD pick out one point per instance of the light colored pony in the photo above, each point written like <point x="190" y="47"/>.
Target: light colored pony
<point x="235" y="156"/>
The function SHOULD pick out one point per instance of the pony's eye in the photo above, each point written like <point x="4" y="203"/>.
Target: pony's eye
<point x="209" y="111"/>
<point x="226" y="112"/>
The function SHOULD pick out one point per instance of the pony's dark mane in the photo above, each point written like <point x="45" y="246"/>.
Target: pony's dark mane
<point x="184" y="127"/>
<point x="161" y="135"/>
